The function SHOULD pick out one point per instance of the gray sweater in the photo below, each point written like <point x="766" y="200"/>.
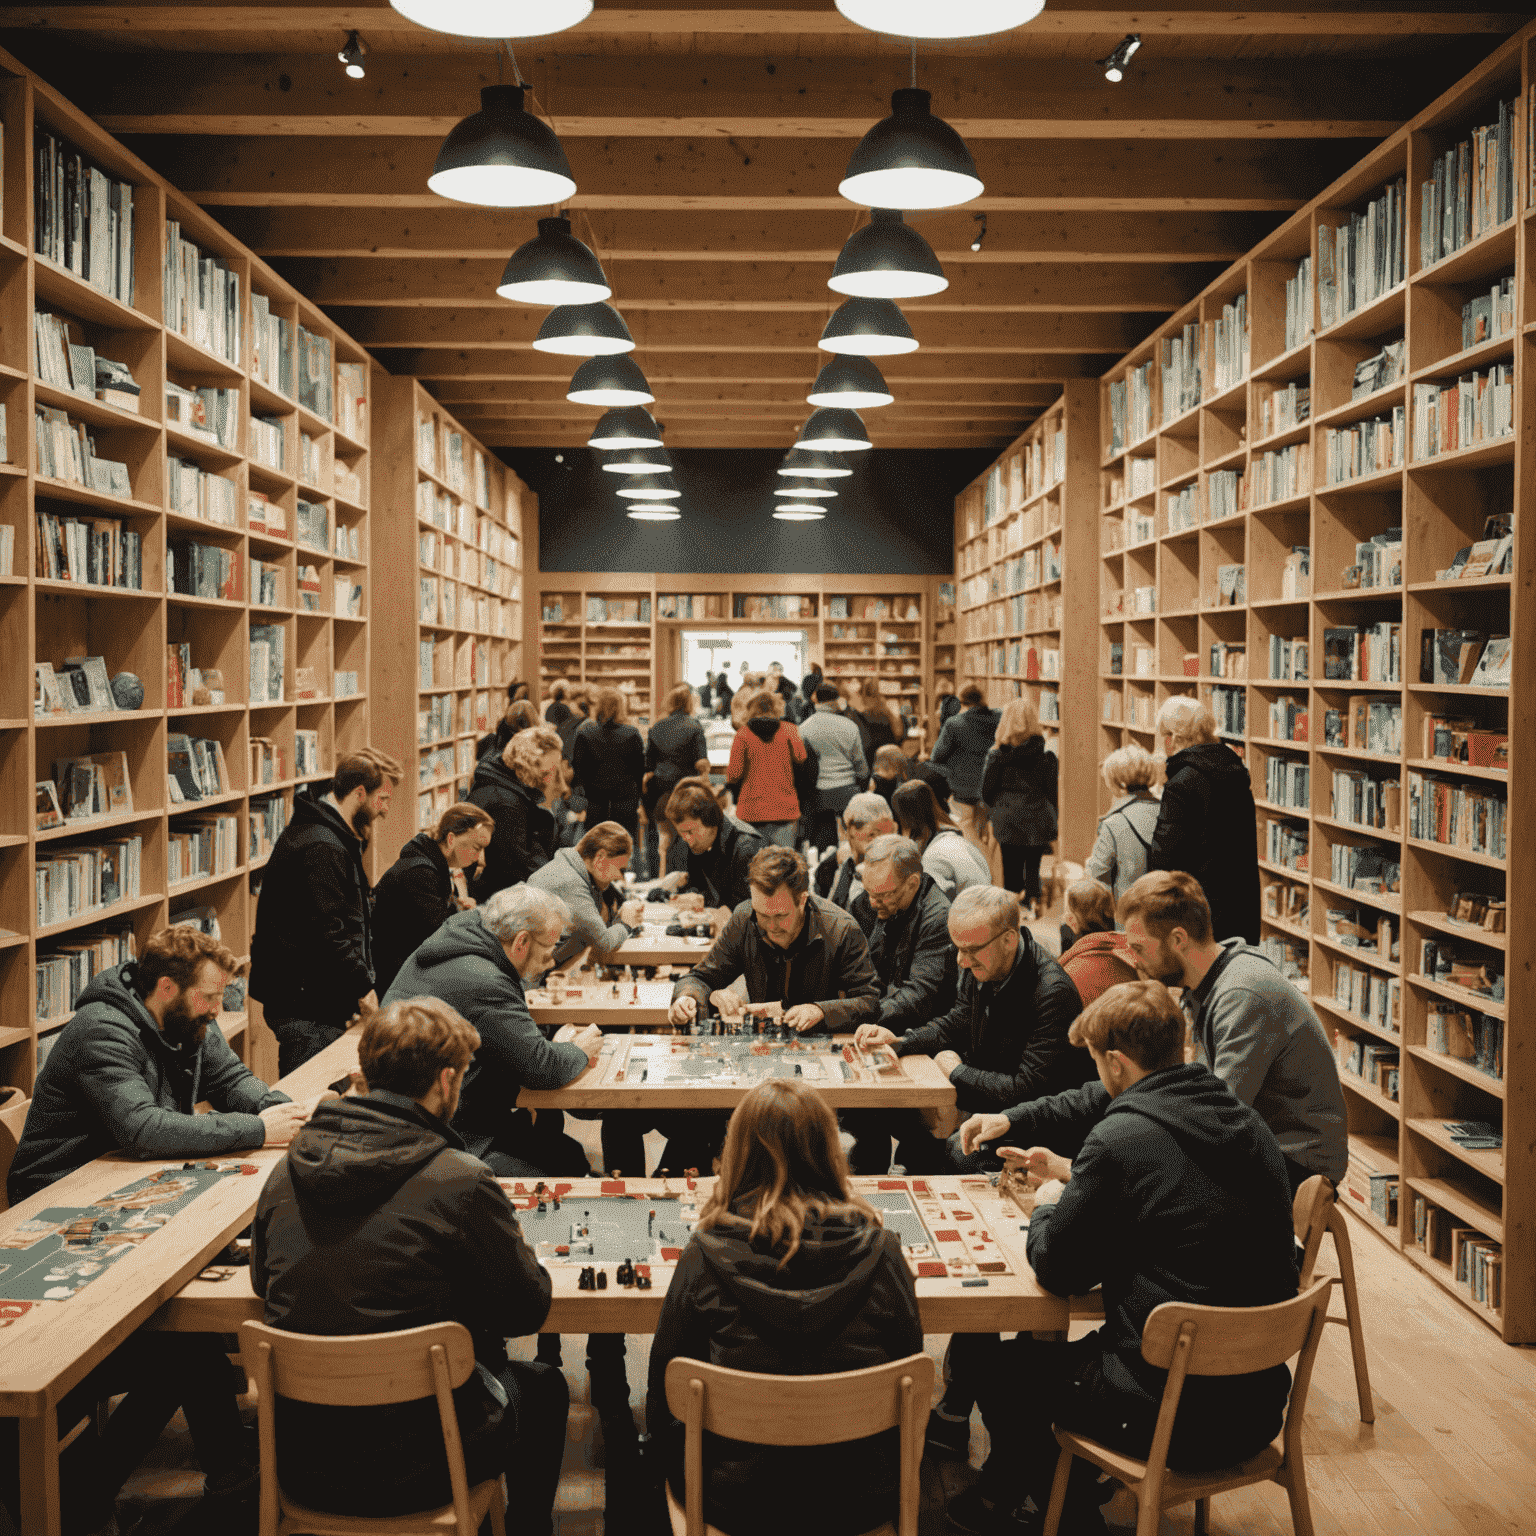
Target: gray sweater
<point x="954" y="863"/>
<point x="1259" y="1035"/>
<point x="839" y="748"/>
<point x="1119" y="856"/>
<point x="567" y="877"/>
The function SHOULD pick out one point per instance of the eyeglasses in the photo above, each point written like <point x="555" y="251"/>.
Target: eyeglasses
<point x="970" y="951"/>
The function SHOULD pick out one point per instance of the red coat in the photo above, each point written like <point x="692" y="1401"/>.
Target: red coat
<point x="764" y="771"/>
<point x="1097" y="962"/>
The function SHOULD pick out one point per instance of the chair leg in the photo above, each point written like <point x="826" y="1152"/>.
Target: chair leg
<point x="1202" y="1516"/>
<point x="1346" y="1258"/>
<point x="1058" y="1493"/>
<point x="1294" y="1480"/>
<point x="498" y="1510"/>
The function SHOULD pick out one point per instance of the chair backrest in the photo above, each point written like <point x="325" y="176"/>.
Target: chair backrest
<point x="1231" y="1341"/>
<point x="13" y="1116"/>
<point x="1309" y="1217"/>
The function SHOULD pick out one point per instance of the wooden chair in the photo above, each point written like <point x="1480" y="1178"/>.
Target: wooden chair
<point x="1187" y="1340"/>
<point x="13" y="1115"/>
<point x="365" y="1370"/>
<point x="1315" y="1212"/>
<point x="798" y="1410"/>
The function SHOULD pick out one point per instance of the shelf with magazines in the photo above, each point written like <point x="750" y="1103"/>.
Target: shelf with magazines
<point x="1025" y="574"/>
<point x="1348" y="601"/>
<point x="450" y="616"/>
<point x="152" y="542"/>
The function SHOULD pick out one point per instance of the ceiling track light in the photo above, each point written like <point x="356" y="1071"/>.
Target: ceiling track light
<point x="850" y="381"/>
<point x="805" y="491"/>
<point x="834" y="430"/>
<point x="656" y="490"/>
<point x="867" y="328"/>
<point x="799" y="512"/>
<point x="638" y="461"/>
<point x="911" y="159"/>
<point x="981" y="234"/>
<point x="1114" y="63"/>
<point x="801" y="465"/>
<point x="649" y="512"/>
<point x="502" y="156"/>
<point x="495" y="18"/>
<point x="609" y="381"/>
<point x="554" y="268"/>
<point x="351" y="56"/>
<point x="584" y="330"/>
<point x="631" y="427"/>
<point x="954" y="18"/>
<point x="887" y="260"/>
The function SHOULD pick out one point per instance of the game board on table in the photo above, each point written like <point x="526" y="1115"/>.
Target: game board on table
<point x="61" y="1250"/>
<point x="742" y="1061"/>
<point x="943" y="1234"/>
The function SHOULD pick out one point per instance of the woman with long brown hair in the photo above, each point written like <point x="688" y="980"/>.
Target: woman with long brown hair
<point x="789" y="1273"/>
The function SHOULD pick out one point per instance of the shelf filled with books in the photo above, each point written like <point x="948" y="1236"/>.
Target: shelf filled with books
<point x="185" y="485"/>
<point x="1331" y="557"/>
<point x="451" y="610"/>
<point x="1025" y="577"/>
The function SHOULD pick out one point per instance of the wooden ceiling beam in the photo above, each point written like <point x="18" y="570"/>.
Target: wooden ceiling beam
<point x="448" y="231"/>
<point x="688" y="175"/>
<point x="469" y="393"/>
<point x="373" y="282"/>
<point x="786" y="412"/>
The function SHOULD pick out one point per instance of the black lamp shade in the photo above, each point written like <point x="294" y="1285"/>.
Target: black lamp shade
<point x="609" y="381"/>
<point x="502" y="156"/>
<point x="853" y="382"/>
<point x="833" y="430"/>
<point x="868" y="328"/>
<point x="628" y="427"/>
<point x="887" y="260"/>
<point x="554" y="268"/>
<point x="584" y="330"/>
<point x="911" y="159"/>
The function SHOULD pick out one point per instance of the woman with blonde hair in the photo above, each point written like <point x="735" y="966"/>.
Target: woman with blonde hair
<point x="789" y="1273"/>
<point x="1119" y="856"/>
<point x="514" y="789"/>
<point x="1018" y="787"/>
<point x="608" y="763"/>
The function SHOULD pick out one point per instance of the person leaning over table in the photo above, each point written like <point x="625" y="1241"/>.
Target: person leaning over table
<point x="379" y="1220"/>
<point x="720" y="848"/>
<point x="1005" y="1039"/>
<point x="589" y="879"/>
<point x="1178" y="1194"/>
<point x="125" y="1076"/>
<point x="514" y="789"/>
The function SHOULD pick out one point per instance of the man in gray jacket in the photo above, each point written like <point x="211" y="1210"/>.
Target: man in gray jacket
<point x="841" y="772"/>
<point x="589" y="880"/>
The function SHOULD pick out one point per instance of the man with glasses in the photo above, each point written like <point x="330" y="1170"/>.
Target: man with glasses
<point x="865" y="817"/>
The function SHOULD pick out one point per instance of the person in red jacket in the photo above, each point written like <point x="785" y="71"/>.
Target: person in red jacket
<point x="762" y="771"/>
<point x="1099" y="958"/>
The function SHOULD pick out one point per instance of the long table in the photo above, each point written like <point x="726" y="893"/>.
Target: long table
<point x="52" y="1346"/>
<point x="638" y="1005"/>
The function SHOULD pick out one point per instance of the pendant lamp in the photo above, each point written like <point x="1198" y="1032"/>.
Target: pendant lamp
<point x="661" y="488"/>
<point x="495" y="18"/>
<point x="797" y="512"/>
<point x="554" y="268"/>
<point x="638" y="461"/>
<point x="911" y="159"/>
<point x="584" y="330"/>
<point x="887" y="260"/>
<point x="800" y="465"/>
<point x="804" y="490"/>
<point x="853" y="382"/>
<point x="953" y="18"/>
<point x="831" y="430"/>
<point x="502" y="156"/>
<point x="631" y="427"/>
<point x="653" y="512"/>
<point x="609" y="381"/>
<point x="868" y="328"/>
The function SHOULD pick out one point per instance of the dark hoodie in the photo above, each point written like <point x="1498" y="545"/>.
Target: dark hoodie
<point x="312" y="952"/>
<point x="1018" y="787"/>
<point x="113" y="1083"/>
<point x="844" y="1302"/>
<point x="762" y="769"/>
<point x="412" y="900"/>
<point x="1178" y="1193"/>
<point x="464" y="964"/>
<point x="608" y="762"/>
<point x="720" y="872"/>
<point x="962" y="747"/>
<point x="1205" y="827"/>
<point x="524" y="834"/>
<point x="379" y="1220"/>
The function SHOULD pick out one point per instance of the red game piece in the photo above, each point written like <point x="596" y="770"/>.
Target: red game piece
<point x="612" y="1187"/>
<point x="249" y="1168"/>
<point x="643" y="1269"/>
<point x="931" y="1268"/>
<point x="562" y="1249"/>
<point x="671" y="1255"/>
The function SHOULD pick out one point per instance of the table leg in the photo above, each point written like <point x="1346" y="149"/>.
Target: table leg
<point x="39" y="1437"/>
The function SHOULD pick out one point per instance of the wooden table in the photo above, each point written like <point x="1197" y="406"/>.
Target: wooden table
<point x="639" y="1005"/>
<point x="653" y="946"/>
<point x="55" y="1344"/>
<point x="1004" y="1304"/>
<point x="915" y="1083"/>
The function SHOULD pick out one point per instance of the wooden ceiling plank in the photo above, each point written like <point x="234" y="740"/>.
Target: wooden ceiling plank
<point x="794" y="387"/>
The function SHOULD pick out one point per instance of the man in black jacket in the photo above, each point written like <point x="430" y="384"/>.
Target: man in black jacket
<point x="719" y="847"/>
<point x="1179" y="1193"/>
<point x="513" y="788"/>
<point x="380" y="1220"/>
<point x="415" y="896"/>
<point x="312" y="952"/>
<point x="865" y="817"/>
<point x="1005" y="1039"/>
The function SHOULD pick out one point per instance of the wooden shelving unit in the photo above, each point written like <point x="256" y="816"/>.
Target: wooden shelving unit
<point x="44" y="619"/>
<point x="451" y="626"/>
<point x="1169" y="525"/>
<point x="1025" y="582"/>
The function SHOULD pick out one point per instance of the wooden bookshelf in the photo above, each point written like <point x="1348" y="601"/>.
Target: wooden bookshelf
<point x="44" y="619"/>
<point x="1025" y="581"/>
<point x="1169" y="525"/>
<point x="452" y="624"/>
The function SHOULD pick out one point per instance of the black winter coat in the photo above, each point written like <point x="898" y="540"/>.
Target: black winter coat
<point x="1178" y="1193"/>
<point x="608" y="761"/>
<point x="721" y="872"/>
<point x="379" y="1220"/>
<point x="524" y="836"/>
<point x="915" y="961"/>
<point x="962" y="747"/>
<point x="1206" y="828"/>
<point x="413" y="899"/>
<point x="844" y="1302"/>
<point x="312" y="952"/>
<point x="673" y="748"/>
<point x="1011" y="1036"/>
<point x="1018" y="787"/>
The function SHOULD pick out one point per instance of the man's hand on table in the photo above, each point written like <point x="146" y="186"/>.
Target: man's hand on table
<point x="684" y="1010"/>
<point x="947" y="1061"/>
<point x="729" y="1004"/>
<point x="980" y="1128"/>
<point x="632" y="913"/>
<point x="868" y="1036"/>
<point x="283" y="1122"/>
<point x="803" y="1016"/>
<point x="1040" y="1161"/>
<point x="1049" y="1193"/>
<point x="589" y="1039"/>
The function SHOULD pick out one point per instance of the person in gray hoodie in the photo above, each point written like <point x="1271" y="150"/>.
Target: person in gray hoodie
<point x="1126" y="830"/>
<point x="589" y="879"/>
<point x="962" y="747"/>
